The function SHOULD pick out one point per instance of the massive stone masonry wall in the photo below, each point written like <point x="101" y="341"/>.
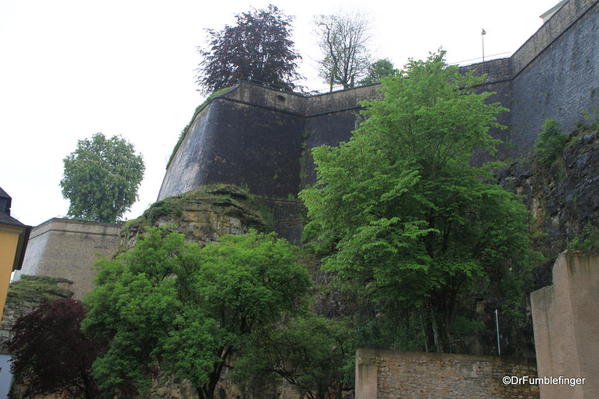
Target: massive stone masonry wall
<point x="261" y="138"/>
<point x="253" y="136"/>
<point x="383" y="374"/>
<point x="562" y="81"/>
<point x="566" y="326"/>
<point x="66" y="248"/>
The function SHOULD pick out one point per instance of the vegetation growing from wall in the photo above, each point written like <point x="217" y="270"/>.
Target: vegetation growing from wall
<point x="409" y="225"/>
<point x="173" y="306"/>
<point x="35" y="289"/>
<point x="587" y="241"/>
<point x="101" y="178"/>
<point x="550" y="143"/>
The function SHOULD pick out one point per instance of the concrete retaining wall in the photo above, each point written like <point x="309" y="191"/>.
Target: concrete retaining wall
<point x="566" y="326"/>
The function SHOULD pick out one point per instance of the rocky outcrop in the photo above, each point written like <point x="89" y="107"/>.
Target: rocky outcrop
<point x="563" y="198"/>
<point x="202" y="215"/>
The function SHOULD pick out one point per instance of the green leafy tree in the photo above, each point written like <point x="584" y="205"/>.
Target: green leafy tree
<point x="173" y="307"/>
<point x="378" y="70"/>
<point x="406" y="221"/>
<point x="310" y="352"/>
<point x="101" y="178"/>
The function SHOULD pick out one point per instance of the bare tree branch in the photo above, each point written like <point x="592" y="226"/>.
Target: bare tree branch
<point x="343" y="41"/>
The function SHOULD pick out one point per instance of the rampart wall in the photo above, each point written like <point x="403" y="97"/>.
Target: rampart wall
<point x="66" y="248"/>
<point x="261" y="138"/>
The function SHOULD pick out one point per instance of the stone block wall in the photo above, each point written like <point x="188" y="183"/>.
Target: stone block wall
<point x="383" y="374"/>
<point x="259" y="137"/>
<point x="556" y="74"/>
<point x="66" y="248"/>
<point x="566" y="326"/>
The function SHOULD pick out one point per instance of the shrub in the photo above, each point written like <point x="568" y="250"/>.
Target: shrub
<point x="587" y="240"/>
<point x="550" y="143"/>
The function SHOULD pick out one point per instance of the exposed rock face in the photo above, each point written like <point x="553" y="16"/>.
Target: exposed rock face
<point x="202" y="215"/>
<point x="563" y="198"/>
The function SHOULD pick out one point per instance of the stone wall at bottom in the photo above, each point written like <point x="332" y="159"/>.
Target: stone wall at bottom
<point x="384" y="374"/>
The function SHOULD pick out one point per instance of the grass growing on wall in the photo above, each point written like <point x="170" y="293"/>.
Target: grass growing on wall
<point x="38" y="288"/>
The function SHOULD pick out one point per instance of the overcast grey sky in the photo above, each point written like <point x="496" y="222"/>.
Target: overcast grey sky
<point x="71" y="68"/>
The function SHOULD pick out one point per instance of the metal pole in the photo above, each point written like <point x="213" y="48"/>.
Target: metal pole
<point x="497" y="326"/>
<point x="482" y="35"/>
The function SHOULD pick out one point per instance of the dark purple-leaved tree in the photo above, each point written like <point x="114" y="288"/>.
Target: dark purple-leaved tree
<point x="50" y="354"/>
<point x="258" y="48"/>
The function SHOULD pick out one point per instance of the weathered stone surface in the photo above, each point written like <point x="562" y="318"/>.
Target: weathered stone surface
<point x="566" y="326"/>
<point x="202" y="215"/>
<point x="382" y="374"/>
<point x="67" y="248"/>
<point x="564" y="198"/>
<point x="26" y="295"/>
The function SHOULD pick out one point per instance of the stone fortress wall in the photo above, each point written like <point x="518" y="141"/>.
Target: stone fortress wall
<point x="260" y="138"/>
<point x="67" y="248"/>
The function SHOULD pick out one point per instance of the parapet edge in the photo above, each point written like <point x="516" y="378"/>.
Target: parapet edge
<point x="75" y="226"/>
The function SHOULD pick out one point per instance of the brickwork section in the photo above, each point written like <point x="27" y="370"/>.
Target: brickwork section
<point x="382" y="374"/>
<point x="66" y="248"/>
<point x="566" y="326"/>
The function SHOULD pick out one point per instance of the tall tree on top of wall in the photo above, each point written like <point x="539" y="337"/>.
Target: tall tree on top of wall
<point x="343" y="40"/>
<point x="257" y="48"/>
<point x="101" y="178"/>
<point x="378" y="70"/>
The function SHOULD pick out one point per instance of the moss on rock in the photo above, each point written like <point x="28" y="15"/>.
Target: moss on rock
<point x="27" y="294"/>
<point x="202" y="215"/>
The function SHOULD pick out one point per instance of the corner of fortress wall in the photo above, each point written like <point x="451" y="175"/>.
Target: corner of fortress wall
<point x="261" y="138"/>
<point x="66" y="248"/>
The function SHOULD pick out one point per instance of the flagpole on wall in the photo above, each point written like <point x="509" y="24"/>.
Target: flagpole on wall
<point x="482" y="35"/>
